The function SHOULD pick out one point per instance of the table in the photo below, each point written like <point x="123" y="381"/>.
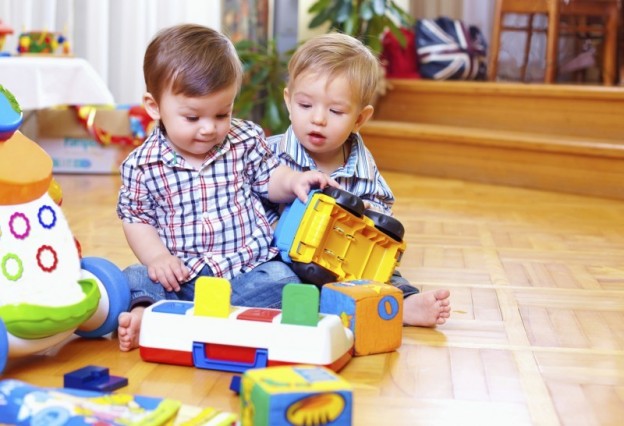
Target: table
<point x="43" y="82"/>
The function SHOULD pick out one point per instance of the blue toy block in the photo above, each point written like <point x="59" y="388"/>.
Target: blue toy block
<point x="235" y="384"/>
<point x="93" y="377"/>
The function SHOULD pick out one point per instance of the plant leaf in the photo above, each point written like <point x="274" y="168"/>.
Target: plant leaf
<point x="379" y="7"/>
<point x="398" y="34"/>
<point x="350" y="25"/>
<point x="319" y="6"/>
<point x="401" y="15"/>
<point x="343" y="12"/>
<point x="366" y="10"/>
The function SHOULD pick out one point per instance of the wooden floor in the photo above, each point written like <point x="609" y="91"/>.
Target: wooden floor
<point x="536" y="334"/>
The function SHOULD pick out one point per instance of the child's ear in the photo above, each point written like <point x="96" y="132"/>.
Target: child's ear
<point x="363" y="117"/>
<point x="287" y="99"/>
<point x="151" y="106"/>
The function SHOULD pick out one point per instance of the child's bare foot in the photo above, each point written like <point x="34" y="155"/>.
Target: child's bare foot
<point x="129" y="329"/>
<point x="427" y="309"/>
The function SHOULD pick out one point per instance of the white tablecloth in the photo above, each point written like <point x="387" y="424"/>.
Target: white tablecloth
<point x="42" y="82"/>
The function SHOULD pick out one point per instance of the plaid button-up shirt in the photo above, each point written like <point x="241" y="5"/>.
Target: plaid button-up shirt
<point x="359" y="175"/>
<point x="212" y="216"/>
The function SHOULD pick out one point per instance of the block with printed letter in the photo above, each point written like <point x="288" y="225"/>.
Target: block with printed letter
<point x="295" y="395"/>
<point x="373" y="311"/>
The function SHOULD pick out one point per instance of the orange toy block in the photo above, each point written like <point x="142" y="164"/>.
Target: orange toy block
<point x="25" y="170"/>
<point x="373" y="311"/>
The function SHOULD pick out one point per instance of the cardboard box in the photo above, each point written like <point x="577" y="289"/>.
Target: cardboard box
<point x="73" y="149"/>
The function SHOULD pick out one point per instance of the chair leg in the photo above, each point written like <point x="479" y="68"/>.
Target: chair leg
<point x="610" y="49"/>
<point x="495" y="42"/>
<point x="527" y="47"/>
<point x="552" y="43"/>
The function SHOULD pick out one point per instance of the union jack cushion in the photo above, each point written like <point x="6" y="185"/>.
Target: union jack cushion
<point x="447" y="50"/>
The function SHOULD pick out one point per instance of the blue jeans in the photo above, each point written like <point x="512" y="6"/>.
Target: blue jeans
<point x="261" y="287"/>
<point x="402" y="284"/>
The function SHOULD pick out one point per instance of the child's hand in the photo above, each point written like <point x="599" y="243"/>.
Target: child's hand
<point x="303" y="183"/>
<point x="169" y="271"/>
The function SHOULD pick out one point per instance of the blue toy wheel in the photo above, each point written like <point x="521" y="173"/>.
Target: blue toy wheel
<point x="4" y="346"/>
<point x="116" y="286"/>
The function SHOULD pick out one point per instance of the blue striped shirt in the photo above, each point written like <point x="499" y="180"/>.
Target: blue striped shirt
<point x="212" y="216"/>
<point x="359" y="175"/>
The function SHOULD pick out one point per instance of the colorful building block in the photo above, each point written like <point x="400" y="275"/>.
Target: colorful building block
<point x="373" y="311"/>
<point x="295" y="395"/>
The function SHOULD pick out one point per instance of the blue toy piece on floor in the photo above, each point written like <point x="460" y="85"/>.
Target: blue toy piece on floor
<point x="95" y="378"/>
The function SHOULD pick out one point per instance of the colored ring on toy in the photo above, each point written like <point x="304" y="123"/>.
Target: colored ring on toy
<point x="14" y="217"/>
<point x="43" y="209"/>
<point x="385" y="302"/>
<point x="20" y="267"/>
<point x="49" y="249"/>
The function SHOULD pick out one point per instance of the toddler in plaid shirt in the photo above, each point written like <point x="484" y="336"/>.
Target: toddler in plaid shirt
<point x="190" y="199"/>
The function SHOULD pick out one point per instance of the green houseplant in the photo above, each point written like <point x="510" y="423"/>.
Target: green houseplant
<point x="363" y="19"/>
<point x="261" y="96"/>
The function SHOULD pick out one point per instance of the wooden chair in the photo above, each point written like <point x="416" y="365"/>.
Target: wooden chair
<point x="565" y="17"/>
<point x="591" y="19"/>
<point x="530" y="8"/>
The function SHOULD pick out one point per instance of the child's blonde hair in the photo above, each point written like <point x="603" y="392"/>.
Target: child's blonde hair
<point x="336" y="54"/>
<point x="192" y="60"/>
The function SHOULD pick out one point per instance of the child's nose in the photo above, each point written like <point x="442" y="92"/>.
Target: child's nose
<point x="207" y="127"/>
<point x="318" y="118"/>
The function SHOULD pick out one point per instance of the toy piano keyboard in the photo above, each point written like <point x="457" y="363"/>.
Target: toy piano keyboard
<point x="212" y="334"/>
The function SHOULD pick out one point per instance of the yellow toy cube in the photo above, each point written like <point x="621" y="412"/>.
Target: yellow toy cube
<point x="373" y="311"/>
<point x="295" y="395"/>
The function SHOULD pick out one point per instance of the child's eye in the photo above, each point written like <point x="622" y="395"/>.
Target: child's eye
<point x="192" y="118"/>
<point x="335" y="111"/>
<point x="304" y="106"/>
<point x="223" y="116"/>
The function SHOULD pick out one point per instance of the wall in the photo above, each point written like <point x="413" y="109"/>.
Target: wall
<point x="111" y="34"/>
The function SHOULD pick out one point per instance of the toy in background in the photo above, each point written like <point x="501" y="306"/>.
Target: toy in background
<point x="141" y="124"/>
<point x="47" y="290"/>
<point x="5" y="30"/>
<point x="333" y="237"/>
<point x="43" y="42"/>
<point x="295" y="395"/>
<point x="212" y="334"/>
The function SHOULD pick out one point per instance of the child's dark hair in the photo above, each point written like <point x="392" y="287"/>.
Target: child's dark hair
<point x="192" y="60"/>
